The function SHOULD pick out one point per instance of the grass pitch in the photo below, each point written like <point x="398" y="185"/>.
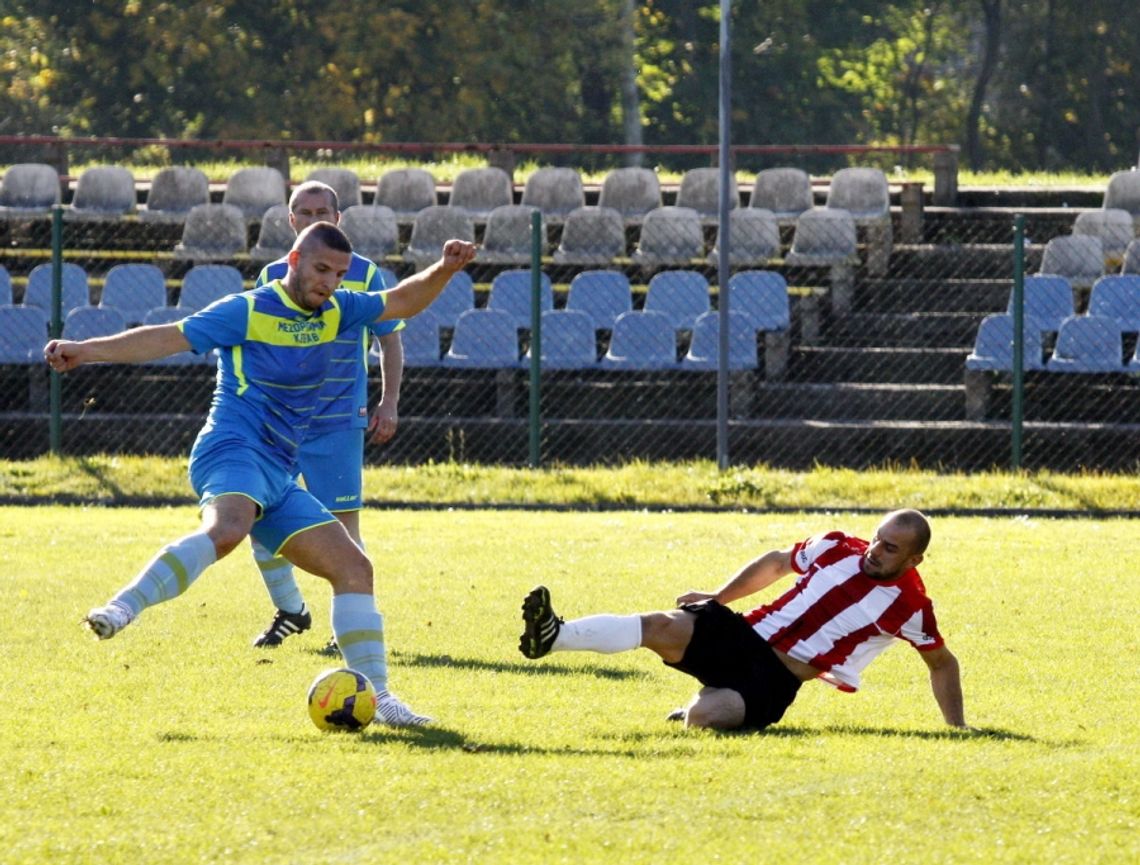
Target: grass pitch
<point x="176" y="742"/>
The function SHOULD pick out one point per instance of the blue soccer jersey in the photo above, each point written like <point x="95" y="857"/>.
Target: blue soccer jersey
<point x="275" y="357"/>
<point x="344" y="394"/>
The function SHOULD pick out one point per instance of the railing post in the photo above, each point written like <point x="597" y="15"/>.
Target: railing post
<point x="535" y="425"/>
<point x="1016" y="410"/>
<point x="910" y="222"/>
<point x="946" y="178"/>
<point x="55" y="420"/>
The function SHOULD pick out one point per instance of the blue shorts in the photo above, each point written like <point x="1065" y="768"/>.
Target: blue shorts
<point x="236" y="468"/>
<point x="331" y="464"/>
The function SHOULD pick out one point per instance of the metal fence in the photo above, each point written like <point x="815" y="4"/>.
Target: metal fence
<point x="865" y="328"/>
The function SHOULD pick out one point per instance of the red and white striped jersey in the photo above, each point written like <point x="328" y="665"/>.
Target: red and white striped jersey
<point x="837" y="618"/>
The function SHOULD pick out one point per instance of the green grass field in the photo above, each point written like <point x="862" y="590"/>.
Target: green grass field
<point x="176" y="742"/>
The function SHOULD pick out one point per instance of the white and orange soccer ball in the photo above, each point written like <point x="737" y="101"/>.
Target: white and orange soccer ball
<point x="342" y="699"/>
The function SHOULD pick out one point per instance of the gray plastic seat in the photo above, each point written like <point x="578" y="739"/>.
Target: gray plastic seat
<point x="103" y="193"/>
<point x="754" y="238"/>
<point x="478" y="191"/>
<point x="133" y="290"/>
<point x="993" y="345"/>
<point x="28" y="190"/>
<point x="276" y="236"/>
<point x="254" y="190"/>
<point x="704" y="350"/>
<point x="681" y="295"/>
<point x="373" y="230"/>
<point x="212" y="232"/>
<point x="205" y="283"/>
<point x="23" y="333"/>
<point x="1123" y="192"/>
<point x="862" y="192"/>
<point x="174" y="191"/>
<point x="1131" y="262"/>
<point x="73" y="287"/>
<point x="1077" y="257"/>
<point x="823" y="237"/>
<point x="670" y="236"/>
<point x="407" y="191"/>
<point x="786" y="192"/>
<point x="508" y="236"/>
<point x="591" y="236"/>
<point x="631" y="191"/>
<point x="432" y="228"/>
<point x="1088" y="343"/>
<point x="602" y="294"/>
<point x="700" y="190"/>
<point x="344" y="181"/>
<point x="1114" y="228"/>
<point x="643" y="340"/>
<point x="555" y="192"/>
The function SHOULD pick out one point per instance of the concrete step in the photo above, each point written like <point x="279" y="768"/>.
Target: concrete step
<point x="903" y="329"/>
<point x="916" y="294"/>
<point x="900" y="365"/>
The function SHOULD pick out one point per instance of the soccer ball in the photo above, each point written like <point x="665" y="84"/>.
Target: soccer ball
<point x="342" y="699"/>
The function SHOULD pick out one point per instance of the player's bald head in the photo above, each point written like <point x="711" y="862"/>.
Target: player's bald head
<point x="322" y="235"/>
<point x="915" y="523"/>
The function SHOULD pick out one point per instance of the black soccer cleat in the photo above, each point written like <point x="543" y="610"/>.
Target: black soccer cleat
<point x="284" y="625"/>
<point x="541" y="626"/>
<point x="331" y="649"/>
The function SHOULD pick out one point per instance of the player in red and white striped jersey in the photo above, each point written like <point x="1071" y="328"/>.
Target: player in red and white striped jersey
<point x="851" y="599"/>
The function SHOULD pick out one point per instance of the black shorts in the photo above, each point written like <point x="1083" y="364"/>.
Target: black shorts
<point x="725" y="652"/>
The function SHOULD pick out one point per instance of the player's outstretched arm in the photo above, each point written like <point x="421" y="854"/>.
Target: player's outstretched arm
<point x="756" y="575"/>
<point x="416" y="292"/>
<point x="946" y="683"/>
<point x="138" y="345"/>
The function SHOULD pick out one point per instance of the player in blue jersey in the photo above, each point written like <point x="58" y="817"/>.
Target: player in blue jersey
<point x="276" y="345"/>
<point x="331" y="456"/>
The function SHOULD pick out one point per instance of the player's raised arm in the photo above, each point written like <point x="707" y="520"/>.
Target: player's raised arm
<point x="756" y="575"/>
<point x="139" y="345"/>
<point x="416" y="292"/>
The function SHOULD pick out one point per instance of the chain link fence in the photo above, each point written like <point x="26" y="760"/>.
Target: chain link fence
<point x="866" y="327"/>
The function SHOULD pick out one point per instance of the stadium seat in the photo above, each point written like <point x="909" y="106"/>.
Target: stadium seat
<point x="457" y="297"/>
<point x="568" y="340"/>
<point x="205" y="283"/>
<point x="863" y="193"/>
<point x="1077" y="257"/>
<point x="344" y="181"/>
<point x="105" y="192"/>
<point x="73" y="287"/>
<point x="5" y="287"/>
<point x="700" y="191"/>
<point x="133" y="290"/>
<point x="754" y="238"/>
<point x="601" y="294"/>
<point x="670" y="236"/>
<point x="420" y="338"/>
<point x="484" y="339"/>
<point x="85" y="322"/>
<point x="212" y="232"/>
<point x="1123" y="193"/>
<point x="823" y="237"/>
<point x="28" y="190"/>
<point x="276" y="236"/>
<point x="23" y="333"/>
<point x="511" y="292"/>
<point x="761" y="297"/>
<point x="680" y="295"/>
<point x="432" y="228"/>
<point x="174" y="191"/>
<point x="704" y="350"/>
<point x="254" y="190"/>
<point x="1118" y="297"/>
<point x="478" y="191"/>
<point x="642" y="340"/>
<point x="786" y="192"/>
<point x="373" y="230"/>
<point x="555" y="192"/>
<point x="1113" y="227"/>
<point x="1131" y="263"/>
<point x="407" y="191"/>
<point x="388" y="276"/>
<point x="170" y="315"/>
<point x="631" y="191"/>
<point x="508" y="236"/>
<point x="1048" y="300"/>
<point x="993" y="345"/>
<point x="1088" y="343"/>
<point x="591" y="236"/>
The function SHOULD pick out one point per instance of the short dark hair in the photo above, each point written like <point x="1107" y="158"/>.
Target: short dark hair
<point x="326" y="234"/>
<point x="314" y="186"/>
<point x="918" y="525"/>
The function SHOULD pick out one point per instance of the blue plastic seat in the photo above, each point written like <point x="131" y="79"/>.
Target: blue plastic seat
<point x="5" y="287"/>
<point x="85" y="322"/>
<point x="642" y="340"/>
<point x="205" y="283"/>
<point x="568" y="340"/>
<point x="1088" y="343"/>
<point x="762" y="297"/>
<point x="484" y="339"/>
<point x="1048" y="301"/>
<point x="511" y="292"/>
<point x="681" y="295"/>
<point x="993" y="346"/>
<point x="73" y="287"/>
<point x="169" y="315"/>
<point x="23" y="333"/>
<point x="457" y="297"/>
<point x="602" y="294"/>
<point x="1117" y="297"/>
<point x="133" y="290"/>
<point x="389" y="276"/>
<point x="420" y="338"/>
<point x="704" y="350"/>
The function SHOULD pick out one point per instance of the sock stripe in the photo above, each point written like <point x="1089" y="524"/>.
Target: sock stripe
<point x="353" y="638"/>
<point x="177" y="569"/>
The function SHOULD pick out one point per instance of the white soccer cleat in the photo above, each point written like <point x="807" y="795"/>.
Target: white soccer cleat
<point x="107" y="621"/>
<point x="390" y="711"/>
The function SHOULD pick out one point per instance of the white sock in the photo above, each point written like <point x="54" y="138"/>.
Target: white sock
<point x="604" y="633"/>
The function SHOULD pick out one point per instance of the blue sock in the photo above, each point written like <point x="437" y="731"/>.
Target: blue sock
<point x="359" y="631"/>
<point x="277" y="572"/>
<point x="168" y="574"/>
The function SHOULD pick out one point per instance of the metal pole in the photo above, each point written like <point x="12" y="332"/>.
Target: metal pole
<point x="535" y="425"/>
<point x="725" y="156"/>
<point x="55" y="419"/>
<point x="1017" y="410"/>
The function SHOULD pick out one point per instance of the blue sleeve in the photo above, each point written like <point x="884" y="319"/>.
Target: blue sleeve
<point x="273" y="270"/>
<point x="222" y="323"/>
<point x="358" y="308"/>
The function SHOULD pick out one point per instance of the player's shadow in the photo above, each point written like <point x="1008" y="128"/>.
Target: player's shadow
<point x="947" y="734"/>
<point x="527" y="668"/>
<point x="435" y="738"/>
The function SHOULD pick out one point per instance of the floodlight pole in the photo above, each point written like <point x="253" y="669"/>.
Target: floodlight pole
<point x="725" y="155"/>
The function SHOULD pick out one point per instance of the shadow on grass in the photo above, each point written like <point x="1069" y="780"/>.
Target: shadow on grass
<point x="443" y="739"/>
<point x="950" y="734"/>
<point x="525" y="668"/>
